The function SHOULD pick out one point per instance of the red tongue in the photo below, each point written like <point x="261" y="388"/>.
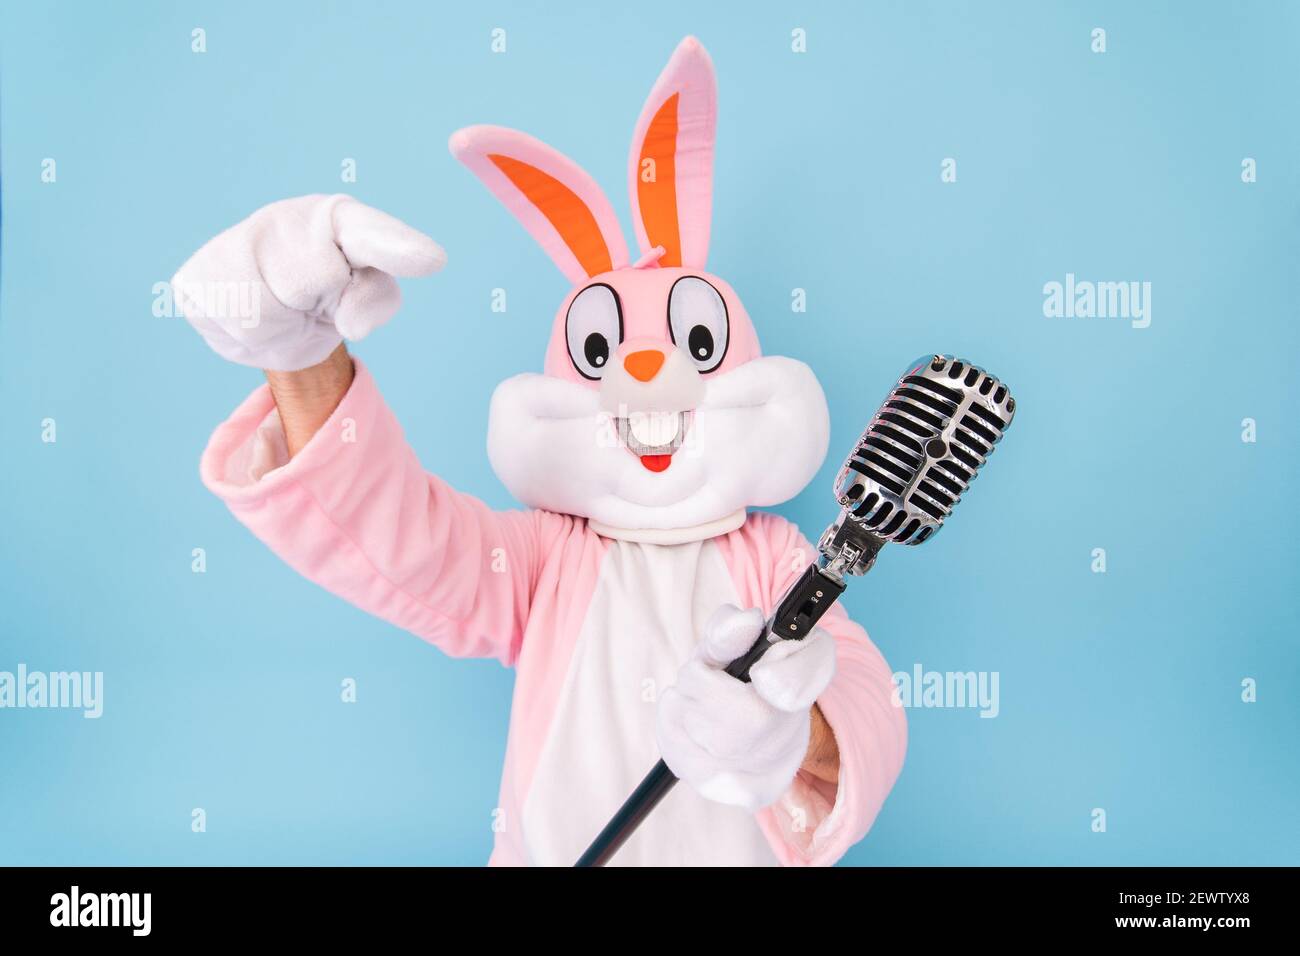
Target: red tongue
<point x="656" y="462"/>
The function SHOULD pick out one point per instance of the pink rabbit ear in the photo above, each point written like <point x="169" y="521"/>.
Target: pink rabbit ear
<point x="670" y="175"/>
<point x="558" y="203"/>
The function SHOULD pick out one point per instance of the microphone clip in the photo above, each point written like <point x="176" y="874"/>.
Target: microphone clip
<point x="848" y="548"/>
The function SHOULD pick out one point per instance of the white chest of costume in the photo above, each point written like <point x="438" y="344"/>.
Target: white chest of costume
<point x="649" y="607"/>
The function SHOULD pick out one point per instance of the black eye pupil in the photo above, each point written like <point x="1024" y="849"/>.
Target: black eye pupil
<point x="596" y="348"/>
<point x="700" y="343"/>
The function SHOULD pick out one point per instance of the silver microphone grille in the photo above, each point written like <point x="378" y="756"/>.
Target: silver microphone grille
<point x="923" y="448"/>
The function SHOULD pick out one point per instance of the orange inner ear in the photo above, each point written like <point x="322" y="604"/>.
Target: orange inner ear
<point x="563" y="209"/>
<point x="658" y="199"/>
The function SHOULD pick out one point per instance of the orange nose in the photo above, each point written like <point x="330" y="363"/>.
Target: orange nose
<point x="644" y="365"/>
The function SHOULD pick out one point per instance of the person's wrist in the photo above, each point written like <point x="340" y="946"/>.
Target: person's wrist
<point x="822" y="758"/>
<point x="307" y="397"/>
<point x="323" y="379"/>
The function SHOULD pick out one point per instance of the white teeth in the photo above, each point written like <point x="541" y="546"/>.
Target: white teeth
<point x="653" y="433"/>
<point x="654" y="429"/>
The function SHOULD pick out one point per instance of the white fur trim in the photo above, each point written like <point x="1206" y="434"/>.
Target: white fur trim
<point x="699" y="532"/>
<point x="755" y="440"/>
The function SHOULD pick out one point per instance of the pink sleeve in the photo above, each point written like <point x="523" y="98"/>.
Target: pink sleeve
<point x="815" y="822"/>
<point x="354" y="512"/>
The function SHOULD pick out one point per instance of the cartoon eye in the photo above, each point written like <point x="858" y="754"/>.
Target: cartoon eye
<point x="697" y="321"/>
<point x="594" y="329"/>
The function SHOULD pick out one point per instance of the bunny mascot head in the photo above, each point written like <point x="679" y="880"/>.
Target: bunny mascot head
<point x="656" y="411"/>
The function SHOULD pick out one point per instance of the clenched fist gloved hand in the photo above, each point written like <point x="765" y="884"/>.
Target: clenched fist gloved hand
<point x="735" y="742"/>
<point x="283" y="288"/>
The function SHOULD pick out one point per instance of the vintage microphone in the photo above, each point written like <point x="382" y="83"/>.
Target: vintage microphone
<point x="925" y="445"/>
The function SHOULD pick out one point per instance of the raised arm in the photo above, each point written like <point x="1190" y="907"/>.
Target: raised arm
<point x="316" y="465"/>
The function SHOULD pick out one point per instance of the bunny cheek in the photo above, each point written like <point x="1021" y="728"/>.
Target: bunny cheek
<point x="757" y="436"/>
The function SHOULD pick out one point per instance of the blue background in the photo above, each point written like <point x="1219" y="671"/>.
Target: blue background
<point x="1118" y="690"/>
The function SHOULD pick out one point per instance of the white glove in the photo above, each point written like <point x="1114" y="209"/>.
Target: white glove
<point x="741" y="743"/>
<point x="283" y="288"/>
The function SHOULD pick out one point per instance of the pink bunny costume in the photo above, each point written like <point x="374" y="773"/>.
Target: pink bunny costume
<point x="634" y="453"/>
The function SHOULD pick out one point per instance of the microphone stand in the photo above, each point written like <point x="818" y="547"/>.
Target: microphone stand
<point x="846" y="547"/>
